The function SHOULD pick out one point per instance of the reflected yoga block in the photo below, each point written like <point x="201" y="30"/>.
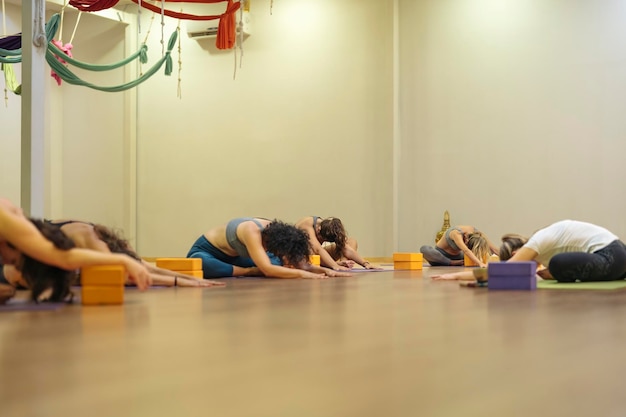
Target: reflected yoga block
<point x="179" y="264"/>
<point x="102" y="295"/>
<point x="411" y="261"/>
<point x="512" y="275"/>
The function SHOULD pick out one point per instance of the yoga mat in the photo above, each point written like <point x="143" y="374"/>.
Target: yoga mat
<point x="365" y="270"/>
<point x="25" y="305"/>
<point x="607" y="285"/>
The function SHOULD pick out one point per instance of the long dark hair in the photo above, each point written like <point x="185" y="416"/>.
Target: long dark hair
<point x="40" y="276"/>
<point x="332" y="230"/>
<point x="114" y="241"/>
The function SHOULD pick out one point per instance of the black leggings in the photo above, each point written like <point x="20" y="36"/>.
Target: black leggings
<point x="607" y="264"/>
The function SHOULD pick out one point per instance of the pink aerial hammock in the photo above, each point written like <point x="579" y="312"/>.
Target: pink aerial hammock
<point x="226" y="29"/>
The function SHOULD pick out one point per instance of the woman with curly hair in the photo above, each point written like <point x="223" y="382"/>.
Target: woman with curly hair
<point x="104" y="239"/>
<point x="341" y="251"/>
<point x="253" y="246"/>
<point x="19" y="236"/>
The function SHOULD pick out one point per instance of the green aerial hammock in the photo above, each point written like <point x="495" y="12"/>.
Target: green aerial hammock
<point x="142" y="54"/>
<point x="14" y="56"/>
<point x="52" y="52"/>
<point x="68" y="76"/>
<point x="10" y="79"/>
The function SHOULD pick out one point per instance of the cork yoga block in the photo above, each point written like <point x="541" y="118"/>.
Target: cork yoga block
<point x="180" y="264"/>
<point x="103" y="275"/>
<point x="408" y="257"/>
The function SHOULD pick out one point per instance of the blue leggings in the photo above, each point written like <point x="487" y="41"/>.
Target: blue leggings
<point x="216" y="264"/>
<point x="607" y="264"/>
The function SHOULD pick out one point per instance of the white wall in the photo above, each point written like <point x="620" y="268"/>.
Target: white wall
<point x="305" y="129"/>
<point x="87" y="132"/>
<point x="93" y="129"/>
<point x="511" y="115"/>
<point x="10" y="113"/>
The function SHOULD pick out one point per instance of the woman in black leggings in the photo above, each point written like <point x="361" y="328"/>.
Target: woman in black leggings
<point x="571" y="251"/>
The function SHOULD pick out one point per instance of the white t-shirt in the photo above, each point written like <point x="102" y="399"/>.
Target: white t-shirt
<point x="568" y="236"/>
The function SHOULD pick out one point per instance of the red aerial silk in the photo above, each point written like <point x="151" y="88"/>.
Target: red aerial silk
<point x="93" y="5"/>
<point x="226" y="32"/>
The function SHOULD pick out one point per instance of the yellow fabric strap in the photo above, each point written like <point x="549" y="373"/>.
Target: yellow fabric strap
<point x="10" y="79"/>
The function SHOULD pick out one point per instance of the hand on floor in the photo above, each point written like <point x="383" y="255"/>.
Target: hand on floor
<point x="346" y="263"/>
<point x="184" y="282"/>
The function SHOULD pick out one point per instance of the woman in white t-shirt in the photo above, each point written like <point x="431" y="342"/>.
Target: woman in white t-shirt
<point x="570" y="250"/>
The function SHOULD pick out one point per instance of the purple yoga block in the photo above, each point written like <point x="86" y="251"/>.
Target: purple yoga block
<point x="512" y="268"/>
<point x="512" y="276"/>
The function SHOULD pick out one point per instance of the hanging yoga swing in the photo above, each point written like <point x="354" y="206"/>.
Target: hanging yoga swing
<point x="54" y="56"/>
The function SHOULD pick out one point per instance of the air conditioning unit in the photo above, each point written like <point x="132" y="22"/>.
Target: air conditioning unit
<point x="201" y="29"/>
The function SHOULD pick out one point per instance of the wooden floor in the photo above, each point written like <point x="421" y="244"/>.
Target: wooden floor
<point x="378" y="344"/>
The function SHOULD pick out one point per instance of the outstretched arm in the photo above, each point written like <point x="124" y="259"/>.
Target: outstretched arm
<point x="353" y="255"/>
<point x="479" y="274"/>
<point x="326" y="271"/>
<point x="24" y="236"/>
<point x="169" y="278"/>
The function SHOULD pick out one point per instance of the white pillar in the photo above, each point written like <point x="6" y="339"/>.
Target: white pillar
<point x="33" y="108"/>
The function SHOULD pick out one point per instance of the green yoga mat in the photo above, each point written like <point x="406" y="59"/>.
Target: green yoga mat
<point x="608" y="285"/>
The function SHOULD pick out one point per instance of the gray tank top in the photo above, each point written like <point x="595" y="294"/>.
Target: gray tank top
<point x="451" y="242"/>
<point x="233" y="240"/>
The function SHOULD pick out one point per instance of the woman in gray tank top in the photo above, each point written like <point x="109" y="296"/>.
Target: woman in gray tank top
<point x="456" y="243"/>
<point x="254" y="246"/>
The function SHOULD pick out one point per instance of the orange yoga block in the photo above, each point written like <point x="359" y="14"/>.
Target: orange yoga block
<point x="103" y="275"/>
<point x="196" y="274"/>
<point x="314" y="259"/>
<point x="102" y="295"/>
<point x="413" y="265"/>
<point x="468" y="262"/>
<point x="408" y="257"/>
<point x="180" y="264"/>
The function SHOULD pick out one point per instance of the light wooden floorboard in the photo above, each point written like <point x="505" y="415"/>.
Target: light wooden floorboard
<point x="391" y="343"/>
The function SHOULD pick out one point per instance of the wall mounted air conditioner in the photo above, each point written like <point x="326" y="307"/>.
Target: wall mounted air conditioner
<point x="201" y="29"/>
